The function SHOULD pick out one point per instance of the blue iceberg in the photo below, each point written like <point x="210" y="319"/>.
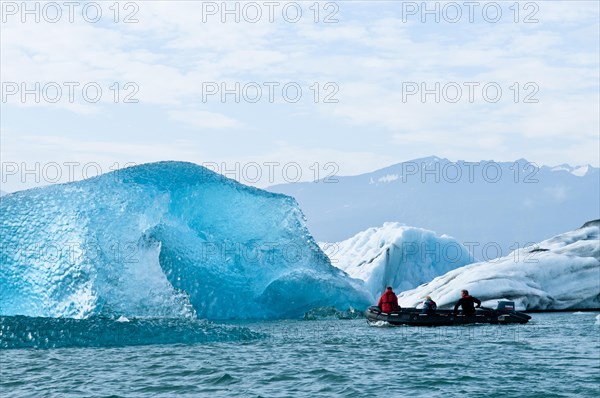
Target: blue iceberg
<point x="167" y="239"/>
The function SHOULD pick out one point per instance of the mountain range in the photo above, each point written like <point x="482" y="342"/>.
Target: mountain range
<point x="490" y="207"/>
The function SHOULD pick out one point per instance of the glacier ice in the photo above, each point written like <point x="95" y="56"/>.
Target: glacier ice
<point x="396" y="255"/>
<point x="167" y="239"/>
<point x="562" y="272"/>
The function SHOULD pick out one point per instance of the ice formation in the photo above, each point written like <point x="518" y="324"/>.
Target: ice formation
<point x="559" y="273"/>
<point x="168" y="239"/>
<point x="396" y="255"/>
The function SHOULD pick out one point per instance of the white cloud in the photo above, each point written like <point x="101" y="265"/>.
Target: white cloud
<point x="171" y="52"/>
<point x="204" y="119"/>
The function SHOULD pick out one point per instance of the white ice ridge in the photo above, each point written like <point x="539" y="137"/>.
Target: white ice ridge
<point x="562" y="272"/>
<point x="397" y="255"/>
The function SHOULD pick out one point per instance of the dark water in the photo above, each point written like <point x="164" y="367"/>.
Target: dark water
<point x="555" y="355"/>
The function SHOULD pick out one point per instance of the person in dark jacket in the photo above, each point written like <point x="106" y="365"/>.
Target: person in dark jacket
<point x="429" y="306"/>
<point x="388" y="301"/>
<point x="466" y="302"/>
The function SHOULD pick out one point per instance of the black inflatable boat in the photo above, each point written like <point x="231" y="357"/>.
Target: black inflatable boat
<point x="505" y="313"/>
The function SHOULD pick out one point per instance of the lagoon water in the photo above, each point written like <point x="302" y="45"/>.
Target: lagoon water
<point x="555" y="355"/>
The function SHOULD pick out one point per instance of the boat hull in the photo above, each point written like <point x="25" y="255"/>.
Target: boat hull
<point x="413" y="317"/>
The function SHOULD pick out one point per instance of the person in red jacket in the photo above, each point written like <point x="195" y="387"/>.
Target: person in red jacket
<point x="388" y="301"/>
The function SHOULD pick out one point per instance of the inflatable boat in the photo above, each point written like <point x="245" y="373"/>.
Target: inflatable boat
<point x="505" y="313"/>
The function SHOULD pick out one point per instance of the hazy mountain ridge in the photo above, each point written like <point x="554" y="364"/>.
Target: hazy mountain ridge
<point x="492" y="207"/>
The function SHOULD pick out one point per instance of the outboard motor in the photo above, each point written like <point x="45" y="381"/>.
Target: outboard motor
<point x="506" y="306"/>
<point x="509" y="314"/>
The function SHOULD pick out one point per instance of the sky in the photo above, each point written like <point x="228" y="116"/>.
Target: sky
<point x="271" y="92"/>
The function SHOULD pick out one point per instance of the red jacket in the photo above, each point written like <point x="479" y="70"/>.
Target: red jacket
<point x="388" y="302"/>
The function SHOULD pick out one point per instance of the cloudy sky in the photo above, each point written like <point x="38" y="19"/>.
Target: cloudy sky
<point x="356" y="84"/>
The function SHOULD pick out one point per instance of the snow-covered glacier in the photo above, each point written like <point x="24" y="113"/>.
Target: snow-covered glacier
<point x="562" y="272"/>
<point x="397" y="255"/>
<point x="167" y="239"/>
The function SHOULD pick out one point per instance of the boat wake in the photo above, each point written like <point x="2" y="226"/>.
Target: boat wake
<point x="380" y="324"/>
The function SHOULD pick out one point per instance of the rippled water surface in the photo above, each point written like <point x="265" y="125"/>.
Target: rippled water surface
<point x="555" y="355"/>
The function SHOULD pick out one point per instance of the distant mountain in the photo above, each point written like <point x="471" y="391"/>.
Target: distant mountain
<point x="490" y="207"/>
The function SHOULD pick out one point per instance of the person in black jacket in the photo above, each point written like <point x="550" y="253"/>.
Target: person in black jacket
<point x="429" y="306"/>
<point x="466" y="302"/>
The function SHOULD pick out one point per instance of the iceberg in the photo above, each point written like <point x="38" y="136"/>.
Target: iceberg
<point x="167" y="239"/>
<point x="396" y="255"/>
<point x="560" y="273"/>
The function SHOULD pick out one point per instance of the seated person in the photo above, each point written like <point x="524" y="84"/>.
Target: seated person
<point x="388" y="301"/>
<point x="466" y="302"/>
<point x="429" y="306"/>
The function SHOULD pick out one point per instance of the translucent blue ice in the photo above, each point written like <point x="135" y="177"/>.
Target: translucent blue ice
<point x="168" y="239"/>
